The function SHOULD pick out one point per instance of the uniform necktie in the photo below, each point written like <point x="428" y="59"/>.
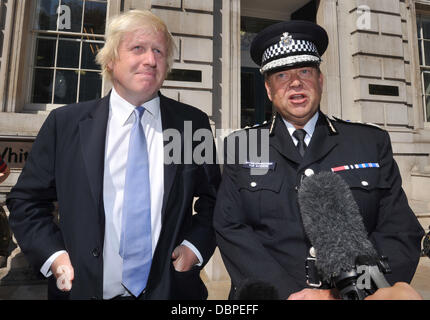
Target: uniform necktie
<point x="300" y="135"/>
<point x="136" y="241"/>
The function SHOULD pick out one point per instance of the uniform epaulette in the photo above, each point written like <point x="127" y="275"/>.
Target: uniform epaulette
<point x="258" y="125"/>
<point x="359" y="123"/>
<point x="331" y="128"/>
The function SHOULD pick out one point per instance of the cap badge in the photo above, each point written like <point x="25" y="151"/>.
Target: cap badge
<point x="286" y="39"/>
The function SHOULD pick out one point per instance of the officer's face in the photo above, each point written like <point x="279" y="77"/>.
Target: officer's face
<point x="295" y="93"/>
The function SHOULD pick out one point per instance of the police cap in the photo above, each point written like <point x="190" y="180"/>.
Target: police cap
<point x="287" y="44"/>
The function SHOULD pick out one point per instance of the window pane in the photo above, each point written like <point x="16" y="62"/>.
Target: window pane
<point x="420" y="43"/>
<point x="66" y="83"/>
<point x="89" y="52"/>
<point x="94" y="18"/>
<point x="45" y="52"/>
<point x="68" y="54"/>
<point x="428" y="108"/>
<point x="42" y="86"/>
<point x="418" y="27"/>
<point x="426" y="53"/>
<point x="425" y="23"/>
<point x="46" y="15"/>
<point x="75" y="14"/>
<point x="90" y="86"/>
<point x="426" y="83"/>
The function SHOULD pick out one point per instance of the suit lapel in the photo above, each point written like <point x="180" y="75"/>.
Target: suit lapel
<point x="92" y="134"/>
<point x="282" y="142"/>
<point x="322" y="142"/>
<point x="168" y="121"/>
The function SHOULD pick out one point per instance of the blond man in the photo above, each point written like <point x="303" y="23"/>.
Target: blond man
<point x="126" y="228"/>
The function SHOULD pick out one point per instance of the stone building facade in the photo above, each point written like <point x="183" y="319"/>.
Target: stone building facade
<point x="377" y="69"/>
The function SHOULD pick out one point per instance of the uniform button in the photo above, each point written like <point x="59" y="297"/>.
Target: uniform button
<point x="364" y="183"/>
<point x="312" y="252"/>
<point x="96" y="252"/>
<point x="309" y="172"/>
<point x="253" y="184"/>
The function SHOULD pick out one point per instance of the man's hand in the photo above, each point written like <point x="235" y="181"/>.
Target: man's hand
<point x="183" y="258"/>
<point x="63" y="272"/>
<point x="314" y="294"/>
<point x="400" y="291"/>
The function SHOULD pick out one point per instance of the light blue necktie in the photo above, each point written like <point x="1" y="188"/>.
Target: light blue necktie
<point x="136" y="241"/>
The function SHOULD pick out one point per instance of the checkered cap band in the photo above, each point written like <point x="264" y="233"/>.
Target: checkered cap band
<point x="295" y="46"/>
<point x="289" y="61"/>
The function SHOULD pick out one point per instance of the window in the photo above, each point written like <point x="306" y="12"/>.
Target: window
<point x="67" y="35"/>
<point x="423" y="29"/>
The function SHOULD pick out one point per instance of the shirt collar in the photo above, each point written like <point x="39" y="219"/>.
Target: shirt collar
<point x="122" y="109"/>
<point x="309" y="127"/>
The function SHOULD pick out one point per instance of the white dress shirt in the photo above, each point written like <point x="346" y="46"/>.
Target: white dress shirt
<point x="120" y="122"/>
<point x="309" y="128"/>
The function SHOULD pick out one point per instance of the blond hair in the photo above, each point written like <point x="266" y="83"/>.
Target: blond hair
<point x="128" y="22"/>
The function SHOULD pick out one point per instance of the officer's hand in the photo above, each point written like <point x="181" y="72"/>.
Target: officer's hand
<point x="183" y="258"/>
<point x="63" y="272"/>
<point x="400" y="291"/>
<point x="314" y="294"/>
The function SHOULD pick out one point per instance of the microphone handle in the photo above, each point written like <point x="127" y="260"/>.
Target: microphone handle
<point x="349" y="289"/>
<point x="378" y="277"/>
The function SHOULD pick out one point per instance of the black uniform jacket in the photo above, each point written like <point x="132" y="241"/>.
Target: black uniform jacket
<point x="257" y="219"/>
<point x="66" y="164"/>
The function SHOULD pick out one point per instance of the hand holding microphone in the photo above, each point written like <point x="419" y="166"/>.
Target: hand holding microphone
<point x="399" y="291"/>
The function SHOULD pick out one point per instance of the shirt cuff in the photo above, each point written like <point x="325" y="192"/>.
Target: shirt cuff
<point x="46" y="268"/>
<point x="194" y="249"/>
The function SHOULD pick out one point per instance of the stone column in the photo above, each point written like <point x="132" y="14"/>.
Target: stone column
<point x="331" y="102"/>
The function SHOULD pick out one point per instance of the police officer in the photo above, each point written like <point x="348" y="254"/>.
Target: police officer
<point x="257" y="220"/>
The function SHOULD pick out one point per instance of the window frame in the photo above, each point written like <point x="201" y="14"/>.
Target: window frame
<point x="112" y="7"/>
<point x="423" y="67"/>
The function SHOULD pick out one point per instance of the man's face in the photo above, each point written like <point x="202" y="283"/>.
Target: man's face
<point x="295" y="93"/>
<point x="140" y="69"/>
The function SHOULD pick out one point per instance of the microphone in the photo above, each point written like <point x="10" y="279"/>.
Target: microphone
<point x="333" y="224"/>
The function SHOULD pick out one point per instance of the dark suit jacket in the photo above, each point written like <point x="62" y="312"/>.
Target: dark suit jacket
<point x="258" y="223"/>
<point x="66" y="164"/>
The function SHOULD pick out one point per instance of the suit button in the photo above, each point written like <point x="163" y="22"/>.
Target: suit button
<point x="96" y="252"/>
<point x="309" y="172"/>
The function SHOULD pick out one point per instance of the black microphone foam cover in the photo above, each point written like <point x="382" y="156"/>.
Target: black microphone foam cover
<point x="333" y="223"/>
